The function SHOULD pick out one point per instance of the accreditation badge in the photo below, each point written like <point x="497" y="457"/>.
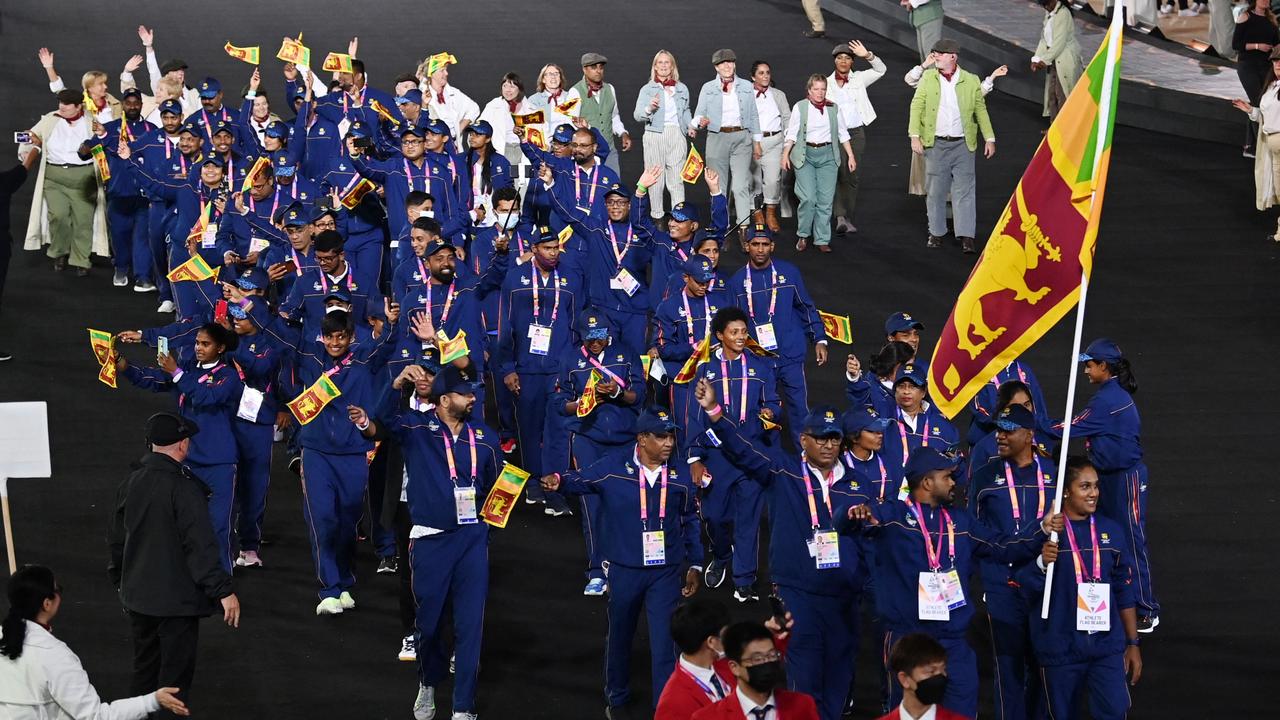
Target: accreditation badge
<point x="932" y="601"/>
<point x="826" y="549"/>
<point x="539" y="340"/>
<point x="257" y="245"/>
<point x="209" y="237"/>
<point x="625" y="282"/>
<point x="766" y="337"/>
<point x="250" y="404"/>
<point x="953" y="590"/>
<point x="343" y="126"/>
<point x="1093" y="607"/>
<point x="464" y="505"/>
<point x="654" y="544"/>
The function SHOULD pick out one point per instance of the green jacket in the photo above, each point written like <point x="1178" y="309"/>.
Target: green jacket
<point x="923" y="121"/>
<point x="926" y="13"/>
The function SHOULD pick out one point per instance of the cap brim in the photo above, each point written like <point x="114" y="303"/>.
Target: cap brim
<point x="1009" y="426"/>
<point x="1085" y="357"/>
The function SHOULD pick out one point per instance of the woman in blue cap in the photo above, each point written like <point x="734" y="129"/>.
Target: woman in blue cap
<point x="1112" y="428"/>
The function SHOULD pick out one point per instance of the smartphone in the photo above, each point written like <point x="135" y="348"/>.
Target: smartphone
<point x="162" y="345"/>
<point x="779" y="610"/>
<point x="220" y="311"/>
<point x="364" y="143"/>
<point x="22" y="138"/>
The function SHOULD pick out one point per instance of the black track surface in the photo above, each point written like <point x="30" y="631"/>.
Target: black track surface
<point x="1184" y="279"/>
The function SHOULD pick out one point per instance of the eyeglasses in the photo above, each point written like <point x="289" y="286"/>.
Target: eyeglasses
<point x="617" y="202"/>
<point x="824" y="440"/>
<point x="410" y="142"/>
<point x="761" y="658"/>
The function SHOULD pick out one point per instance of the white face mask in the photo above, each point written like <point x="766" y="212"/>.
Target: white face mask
<point x="427" y="213"/>
<point x="508" y="221"/>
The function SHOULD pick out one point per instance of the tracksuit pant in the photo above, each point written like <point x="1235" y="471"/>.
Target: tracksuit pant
<point x="1105" y="679"/>
<point x="332" y="500"/>
<point x="127" y="223"/>
<point x="585" y="452"/>
<point x="253" y="445"/>
<point x="1124" y="499"/>
<point x="823" y="648"/>
<point x="794" y="393"/>
<point x="221" y="481"/>
<point x="731" y="509"/>
<point x="1017" y="686"/>
<point x="451" y="568"/>
<point x="657" y="591"/>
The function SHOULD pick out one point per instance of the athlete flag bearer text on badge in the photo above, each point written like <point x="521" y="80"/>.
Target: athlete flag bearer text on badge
<point x="1031" y="269"/>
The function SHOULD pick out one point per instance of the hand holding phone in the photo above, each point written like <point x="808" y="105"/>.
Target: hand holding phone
<point x="22" y="138"/>
<point x="220" y="312"/>
<point x="162" y="345"/>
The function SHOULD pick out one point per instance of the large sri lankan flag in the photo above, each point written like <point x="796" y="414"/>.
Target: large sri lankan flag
<point x="1030" y="272"/>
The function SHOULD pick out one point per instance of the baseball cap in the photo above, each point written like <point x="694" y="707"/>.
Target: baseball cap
<point x="901" y="322"/>
<point x="1102" y="350"/>
<point x="699" y="268"/>
<point x="925" y="460"/>
<point x="856" y="421"/>
<point x="453" y="379"/>
<point x="656" y="421"/>
<point x="210" y="87"/>
<point x="1016" y="417"/>
<point x="822" y="422"/>
<point x="911" y="373"/>
<point x="593" y="325"/>
<point x="684" y="212"/>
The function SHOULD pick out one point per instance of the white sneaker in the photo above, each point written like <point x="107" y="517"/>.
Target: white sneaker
<point x="348" y="602"/>
<point x="329" y="606"/>
<point x="424" y="707"/>
<point x="464" y="716"/>
<point x="143" y="287"/>
<point x="1189" y="12"/>
<point x="166" y="307"/>
<point x="1166" y="9"/>
<point x="277" y="435"/>
<point x="408" y="649"/>
<point x="120" y="279"/>
<point x="249" y="558"/>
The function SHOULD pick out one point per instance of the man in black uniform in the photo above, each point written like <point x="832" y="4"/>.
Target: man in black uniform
<point x="165" y="561"/>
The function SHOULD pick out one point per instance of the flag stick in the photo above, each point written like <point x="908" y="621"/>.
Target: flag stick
<point x="1105" y="126"/>
<point x="8" y="524"/>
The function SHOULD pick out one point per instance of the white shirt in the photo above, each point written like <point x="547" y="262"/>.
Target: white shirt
<point x="1269" y="105"/>
<point x="65" y="139"/>
<point x="929" y="714"/>
<point x="767" y="110"/>
<point x="948" y="124"/>
<point x="852" y="97"/>
<point x="497" y="113"/>
<point x="837" y="472"/>
<point x="704" y="675"/>
<point x="818" y="129"/>
<point x="669" y="110"/>
<point x="730" y="113"/>
<point x="47" y="682"/>
<point x="748" y="705"/>
<point x="455" y="108"/>
<point x="650" y="476"/>
<point x="912" y="79"/>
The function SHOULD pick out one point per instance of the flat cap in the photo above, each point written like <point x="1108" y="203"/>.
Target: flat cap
<point x="723" y="55"/>
<point x="593" y="58"/>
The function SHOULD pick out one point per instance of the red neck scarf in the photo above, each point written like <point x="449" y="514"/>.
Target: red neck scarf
<point x="72" y="120"/>
<point x="554" y="96"/>
<point x="669" y="82"/>
<point x="512" y="105"/>
<point x="726" y="84"/>
<point x="821" y="107"/>
<point x="440" y="95"/>
<point x="760" y="91"/>
<point x="948" y="75"/>
<point x="593" y="88"/>
<point x="842" y="78"/>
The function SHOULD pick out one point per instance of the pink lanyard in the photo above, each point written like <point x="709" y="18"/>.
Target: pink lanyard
<point x="712" y="694"/>
<point x="408" y="174"/>
<point x="577" y="185"/>
<point x="448" y="300"/>
<point x="935" y="556"/>
<point x="902" y="432"/>
<point x="688" y="318"/>
<point x="596" y="364"/>
<point x="826" y="492"/>
<point x="884" y="477"/>
<point x="324" y="278"/>
<point x="613" y="244"/>
<point x="644" y="495"/>
<point x="205" y="378"/>
<point x="275" y="203"/>
<point x="338" y="367"/>
<point x="297" y="262"/>
<point x="346" y="109"/>
<point x="1075" y="552"/>
<point x="1013" y="494"/>
<point x="724" y="382"/>
<point x="773" y="301"/>
<point x="555" y="283"/>
<point x="448" y="455"/>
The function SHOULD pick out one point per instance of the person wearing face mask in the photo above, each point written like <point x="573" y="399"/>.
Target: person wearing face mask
<point x="680" y="324"/>
<point x="539" y="301"/>
<point x="654" y="553"/>
<point x="702" y="676"/>
<point x="925" y="554"/>
<point x="873" y="388"/>
<point x="731" y="506"/>
<point x="208" y="390"/>
<point x="605" y="367"/>
<point x="919" y="665"/>
<point x="920" y="424"/>
<point x="1090" y="639"/>
<point x="306" y="301"/>
<point x="817" y="573"/>
<point x="334" y="465"/>
<point x="451" y="462"/>
<point x="761" y="692"/>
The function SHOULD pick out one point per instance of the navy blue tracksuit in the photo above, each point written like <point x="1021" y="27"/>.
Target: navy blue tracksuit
<point x="680" y="323"/>
<point x="823" y="647"/>
<point x="1071" y="660"/>
<point x="616" y="480"/>
<point x="257" y="361"/>
<point x="127" y="205"/>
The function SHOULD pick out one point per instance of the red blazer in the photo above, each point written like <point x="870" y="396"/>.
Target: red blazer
<point x="791" y="706"/>
<point x="942" y="714"/>
<point x="681" y="697"/>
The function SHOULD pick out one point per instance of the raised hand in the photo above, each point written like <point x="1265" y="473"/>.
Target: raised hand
<point x="146" y="36"/>
<point x="46" y="58"/>
<point x="133" y="63"/>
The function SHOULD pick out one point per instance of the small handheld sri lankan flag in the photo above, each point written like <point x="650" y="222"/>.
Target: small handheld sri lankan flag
<point x="383" y="112"/>
<point x="102" y="342"/>
<point x="293" y="51"/>
<point x="352" y="197"/>
<point x="262" y="163"/>
<point x="452" y="348"/>
<point x="502" y="497"/>
<point x="699" y="356"/>
<point x="534" y="137"/>
<point x="536" y="117"/>
<point x="837" y="327"/>
<point x="250" y="55"/>
<point x="693" y="165"/>
<point x="567" y="107"/>
<point x="337" y="62"/>
<point x="308" y="406"/>
<point x="100" y="162"/>
<point x="588" y="401"/>
<point x="195" y="269"/>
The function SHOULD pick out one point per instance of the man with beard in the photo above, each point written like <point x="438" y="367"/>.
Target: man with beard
<point x="600" y="107"/>
<point x="761" y="694"/>
<point x="354" y="102"/>
<point x="212" y="109"/>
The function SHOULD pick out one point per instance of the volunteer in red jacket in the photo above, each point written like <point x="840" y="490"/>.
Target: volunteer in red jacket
<point x="702" y="675"/>
<point x="761" y="693"/>
<point x="919" y="664"/>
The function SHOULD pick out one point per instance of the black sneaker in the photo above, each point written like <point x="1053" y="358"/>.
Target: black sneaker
<point x="713" y="576"/>
<point x="967" y="246"/>
<point x="745" y="593"/>
<point x="388" y="565"/>
<point x="5" y="356"/>
<point x="811" y="33"/>
<point x="1148" y="623"/>
<point x="295" y="464"/>
<point x="934" y="242"/>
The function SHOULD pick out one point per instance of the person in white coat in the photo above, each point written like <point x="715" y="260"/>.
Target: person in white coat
<point x="497" y="112"/>
<point x="849" y="91"/>
<point x="41" y="678"/>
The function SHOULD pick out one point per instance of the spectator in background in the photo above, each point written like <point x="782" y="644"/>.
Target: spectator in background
<point x="40" y="677"/>
<point x="1254" y="38"/>
<point x="1265" y="112"/>
<point x="1058" y="54"/>
<point x="817" y="26"/>
<point x="817" y="139"/>
<point x="10" y="181"/>
<point x="849" y="91"/>
<point x="926" y="17"/>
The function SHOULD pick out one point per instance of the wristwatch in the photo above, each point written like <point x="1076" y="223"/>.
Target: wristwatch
<point x="1133" y="641"/>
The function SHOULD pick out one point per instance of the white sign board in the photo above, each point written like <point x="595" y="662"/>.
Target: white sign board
<point x="24" y="440"/>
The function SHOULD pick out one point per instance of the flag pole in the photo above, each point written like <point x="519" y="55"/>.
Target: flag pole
<point x="8" y="524"/>
<point x="1105" y="127"/>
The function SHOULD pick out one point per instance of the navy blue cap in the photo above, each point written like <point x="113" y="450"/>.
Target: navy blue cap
<point x="925" y="460"/>
<point x="822" y="422"/>
<point x="299" y="92"/>
<point x="685" y="211"/>
<point x="222" y="126"/>
<point x="437" y="127"/>
<point x="1016" y="417"/>
<point x="901" y="322"/>
<point x="619" y="190"/>
<point x="414" y="130"/>
<point x="453" y="379"/>
<point x="911" y="373"/>
<point x="337" y="293"/>
<point x="437" y="245"/>
<point x="358" y="129"/>
<point x="320" y="211"/>
<point x="284" y="168"/>
<point x="1102" y="350"/>
<point x="481" y="127"/>
<point x="276" y="129"/>
<point x="295" y="215"/>
<point x="210" y="87"/>
<point x="699" y="268"/>
<point x="189" y="127"/>
<point x="759" y="230"/>
<point x="253" y="278"/>
<point x="868" y="419"/>
<point x="133" y="91"/>
<point x="593" y="325"/>
<point x="563" y="133"/>
<point x="546" y="234"/>
<point x="413" y="95"/>
<point x="213" y="160"/>
<point x="171" y="107"/>
<point x="237" y="312"/>
<point x="656" y="421"/>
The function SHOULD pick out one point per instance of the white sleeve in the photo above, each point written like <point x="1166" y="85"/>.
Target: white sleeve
<point x="618" y="128"/>
<point x="842" y="125"/>
<point x="153" y="69"/>
<point x="793" y="125"/>
<point x="127" y="82"/>
<point x="470" y="109"/>
<point x="69" y="685"/>
<point x="988" y="84"/>
<point x="912" y="78"/>
<point x="57" y="85"/>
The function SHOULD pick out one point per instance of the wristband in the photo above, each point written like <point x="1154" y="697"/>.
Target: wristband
<point x="365" y="426"/>
<point x="1133" y="642"/>
<point x="641" y="189"/>
<point x="717" y="410"/>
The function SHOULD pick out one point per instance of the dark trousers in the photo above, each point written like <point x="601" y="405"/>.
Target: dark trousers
<point x="6" y="251"/>
<point x="408" y="608"/>
<point x="164" y="655"/>
<point x="1251" y="77"/>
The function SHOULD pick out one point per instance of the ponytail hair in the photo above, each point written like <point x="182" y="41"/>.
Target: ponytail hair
<point x="1123" y="374"/>
<point x="28" y="589"/>
<point x="1075" y="464"/>
<point x="893" y="354"/>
